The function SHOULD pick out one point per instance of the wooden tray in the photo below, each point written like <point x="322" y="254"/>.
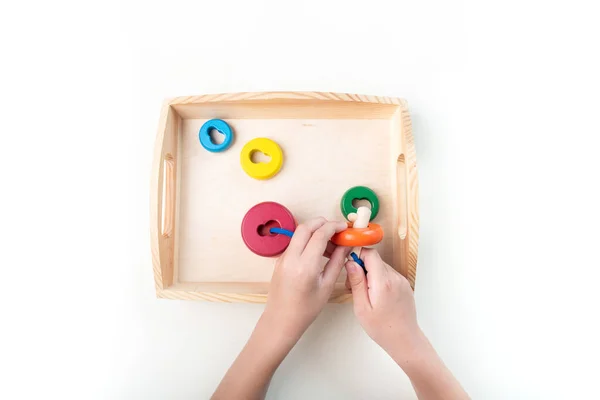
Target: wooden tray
<point x="203" y="257"/>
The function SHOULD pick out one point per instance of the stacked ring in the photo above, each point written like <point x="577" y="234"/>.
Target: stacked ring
<point x="359" y="237"/>
<point x="359" y="193"/>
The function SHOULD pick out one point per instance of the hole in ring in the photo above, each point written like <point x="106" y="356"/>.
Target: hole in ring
<point x="257" y="157"/>
<point x="361" y="203"/>
<point x="263" y="230"/>
<point x="216" y="136"/>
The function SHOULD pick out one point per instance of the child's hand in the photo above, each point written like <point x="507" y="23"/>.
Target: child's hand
<point x="301" y="286"/>
<point x="384" y="304"/>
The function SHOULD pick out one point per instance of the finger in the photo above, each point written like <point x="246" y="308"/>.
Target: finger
<point x="373" y="264"/>
<point x="318" y="242"/>
<point x="303" y="233"/>
<point x="333" y="268"/>
<point x="358" y="285"/>
<point x="329" y="250"/>
<point x="347" y="283"/>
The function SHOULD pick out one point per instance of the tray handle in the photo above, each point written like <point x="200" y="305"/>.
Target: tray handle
<point x="167" y="211"/>
<point x="402" y="193"/>
<point x="163" y="198"/>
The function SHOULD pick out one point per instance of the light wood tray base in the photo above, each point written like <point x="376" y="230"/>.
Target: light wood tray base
<point x="198" y="256"/>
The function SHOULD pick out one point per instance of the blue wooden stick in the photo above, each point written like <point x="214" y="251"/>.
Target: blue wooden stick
<point x="285" y="232"/>
<point x="358" y="261"/>
<point x="281" y="231"/>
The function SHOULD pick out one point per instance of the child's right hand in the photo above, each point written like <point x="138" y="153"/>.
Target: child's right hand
<point x="384" y="305"/>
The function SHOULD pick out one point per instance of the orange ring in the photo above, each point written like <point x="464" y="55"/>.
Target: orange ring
<point x="358" y="237"/>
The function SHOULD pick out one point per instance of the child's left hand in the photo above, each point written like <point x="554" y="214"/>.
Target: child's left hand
<point x="301" y="286"/>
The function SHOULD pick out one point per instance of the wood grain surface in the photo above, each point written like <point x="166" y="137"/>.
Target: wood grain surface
<point x="199" y="257"/>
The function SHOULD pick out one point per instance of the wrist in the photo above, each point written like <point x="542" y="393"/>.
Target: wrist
<point x="419" y="359"/>
<point x="278" y="337"/>
<point x="265" y="348"/>
<point x="411" y="351"/>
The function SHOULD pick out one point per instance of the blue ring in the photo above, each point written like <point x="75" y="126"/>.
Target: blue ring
<point x="222" y="127"/>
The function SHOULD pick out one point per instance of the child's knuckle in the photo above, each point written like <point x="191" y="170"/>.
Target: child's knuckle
<point x="388" y="285"/>
<point x="319" y="235"/>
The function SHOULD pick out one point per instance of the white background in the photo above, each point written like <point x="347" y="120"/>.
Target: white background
<point x="505" y="104"/>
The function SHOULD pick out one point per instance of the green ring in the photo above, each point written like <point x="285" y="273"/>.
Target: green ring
<point x="359" y="193"/>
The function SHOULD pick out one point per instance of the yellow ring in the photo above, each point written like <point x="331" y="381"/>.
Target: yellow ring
<point x="261" y="170"/>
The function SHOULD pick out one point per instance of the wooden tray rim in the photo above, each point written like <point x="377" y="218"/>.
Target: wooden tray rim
<point x="164" y="285"/>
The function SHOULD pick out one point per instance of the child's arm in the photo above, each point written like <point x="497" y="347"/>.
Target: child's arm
<point x="299" y="289"/>
<point x="385" y="306"/>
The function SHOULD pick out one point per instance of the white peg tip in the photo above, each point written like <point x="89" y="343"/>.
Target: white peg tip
<point x="363" y="217"/>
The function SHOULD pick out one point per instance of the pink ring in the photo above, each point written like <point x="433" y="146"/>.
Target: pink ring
<point x="260" y="214"/>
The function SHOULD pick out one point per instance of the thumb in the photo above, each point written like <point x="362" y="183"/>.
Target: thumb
<point x="358" y="285"/>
